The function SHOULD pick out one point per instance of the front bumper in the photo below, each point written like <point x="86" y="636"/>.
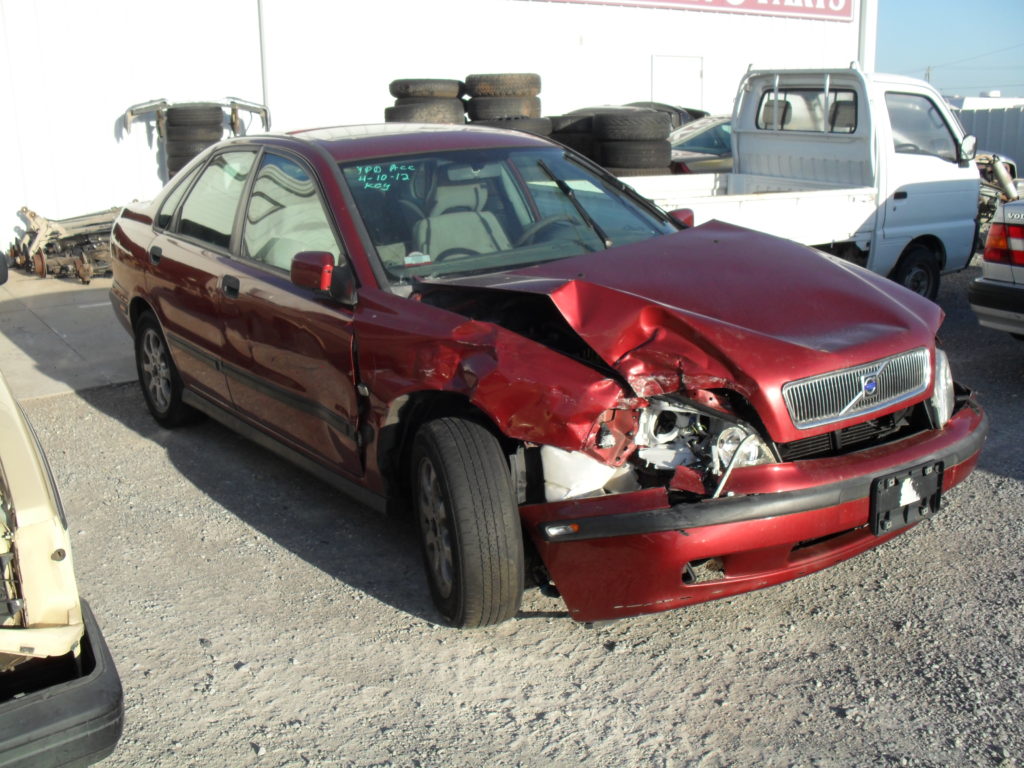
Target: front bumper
<point x="629" y="553"/>
<point x="71" y="724"/>
<point x="998" y="304"/>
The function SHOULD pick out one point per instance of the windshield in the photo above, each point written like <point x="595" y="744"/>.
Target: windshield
<point x="478" y="211"/>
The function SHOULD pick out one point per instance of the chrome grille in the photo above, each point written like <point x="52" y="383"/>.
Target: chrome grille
<point x="831" y="397"/>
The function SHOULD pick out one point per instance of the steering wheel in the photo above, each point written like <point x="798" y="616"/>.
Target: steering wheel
<point x="530" y="233"/>
<point x="456" y="252"/>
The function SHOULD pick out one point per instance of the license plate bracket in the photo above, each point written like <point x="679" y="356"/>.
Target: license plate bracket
<point x="904" y="497"/>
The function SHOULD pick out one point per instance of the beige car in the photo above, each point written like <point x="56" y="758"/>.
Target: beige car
<point x="61" y="702"/>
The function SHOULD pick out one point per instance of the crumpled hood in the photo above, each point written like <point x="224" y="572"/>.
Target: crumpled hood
<point x="723" y="306"/>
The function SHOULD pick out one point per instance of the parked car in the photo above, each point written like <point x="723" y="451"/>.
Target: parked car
<point x="60" y="695"/>
<point x="997" y="297"/>
<point x="703" y="146"/>
<point x="567" y="386"/>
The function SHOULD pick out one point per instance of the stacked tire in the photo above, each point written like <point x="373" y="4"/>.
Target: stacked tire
<point x="426" y="101"/>
<point x="190" y="128"/>
<point x="626" y="141"/>
<point x="507" y="100"/>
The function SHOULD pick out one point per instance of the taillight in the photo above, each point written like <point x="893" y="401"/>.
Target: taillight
<point x="1005" y="244"/>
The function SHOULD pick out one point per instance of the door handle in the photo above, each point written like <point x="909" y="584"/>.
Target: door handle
<point x="901" y="195"/>
<point x="155" y="254"/>
<point x="229" y="285"/>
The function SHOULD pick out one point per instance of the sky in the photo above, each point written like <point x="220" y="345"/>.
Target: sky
<point x="970" y="45"/>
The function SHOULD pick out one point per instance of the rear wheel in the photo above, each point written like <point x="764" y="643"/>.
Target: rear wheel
<point x="918" y="269"/>
<point x="161" y="384"/>
<point x="469" y="523"/>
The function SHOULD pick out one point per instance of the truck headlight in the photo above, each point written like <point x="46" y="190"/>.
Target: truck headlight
<point x="943" y="397"/>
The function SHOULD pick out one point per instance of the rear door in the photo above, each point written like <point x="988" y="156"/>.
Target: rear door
<point x="289" y="359"/>
<point x="187" y="260"/>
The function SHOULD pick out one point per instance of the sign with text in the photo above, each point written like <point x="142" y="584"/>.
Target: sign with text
<point x="829" y="10"/>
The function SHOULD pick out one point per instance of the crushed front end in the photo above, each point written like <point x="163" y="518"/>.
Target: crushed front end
<point x="692" y="501"/>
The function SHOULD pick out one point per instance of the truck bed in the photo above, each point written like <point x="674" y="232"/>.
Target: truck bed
<point x="809" y="212"/>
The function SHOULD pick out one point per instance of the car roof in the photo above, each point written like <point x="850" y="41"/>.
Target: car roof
<point x="356" y="142"/>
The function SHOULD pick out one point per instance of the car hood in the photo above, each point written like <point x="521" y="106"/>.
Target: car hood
<point x="723" y="306"/>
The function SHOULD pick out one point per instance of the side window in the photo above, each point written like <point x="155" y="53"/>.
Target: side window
<point x="808" y="109"/>
<point x="209" y="210"/>
<point x="166" y="214"/>
<point x="285" y="215"/>
<point x="918" y="127"/>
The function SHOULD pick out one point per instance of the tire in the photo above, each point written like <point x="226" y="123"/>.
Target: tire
<point x="433" y="111"/>
<point x="207" y="133"/>
<point x="510" y="84"/>
<point x="195" y="114"/>
<point x="677" y="116"/>
<point x="632" y="126"/>
<point x="583" y="143"/>
<point x="468" y="521"/>
<point x="538" y="125"/>
<point x="424" y="88"/>
<point x="572" y="124"/>
<point x="495" y="107"/>
<point x="636" y="154"/>
<point x="158" y="376"/>
<point x="918" y="270"/>
<point x="637" y="171"/>
<point x="185" y="150"/>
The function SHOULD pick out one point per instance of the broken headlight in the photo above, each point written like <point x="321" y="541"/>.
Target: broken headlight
<point x="675" y="433"/>
<point x="943" y="397"/>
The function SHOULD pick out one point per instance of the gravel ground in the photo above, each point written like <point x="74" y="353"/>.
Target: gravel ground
<point x="258" y="618"/>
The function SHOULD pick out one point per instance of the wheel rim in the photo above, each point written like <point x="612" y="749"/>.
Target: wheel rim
<point x="156" y="371"/>
<point x="435" y="524"/>
<point x="919" y="281"/>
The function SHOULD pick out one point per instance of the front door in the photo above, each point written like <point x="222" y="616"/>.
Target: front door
<point x="929" y="193"/>
<point x="289" y="361"/>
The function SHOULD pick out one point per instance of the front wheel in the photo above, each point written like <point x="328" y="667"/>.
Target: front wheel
<point x="161" y="384"/>
<point x="469" y="523"/>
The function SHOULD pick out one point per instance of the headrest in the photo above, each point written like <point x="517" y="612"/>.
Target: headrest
<point x="844" y="117"/>
<point x="458" y="198"/>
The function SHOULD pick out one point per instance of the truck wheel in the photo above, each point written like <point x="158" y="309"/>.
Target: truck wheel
<point x="161" y="384"/>
<point x="918" y="270"/>
<point x="469" y="523"/>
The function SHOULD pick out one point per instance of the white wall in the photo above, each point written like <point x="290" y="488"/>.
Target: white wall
<point x="69" y="69"/>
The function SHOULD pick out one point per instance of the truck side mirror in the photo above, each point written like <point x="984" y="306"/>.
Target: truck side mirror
<point x="968" y="149"/>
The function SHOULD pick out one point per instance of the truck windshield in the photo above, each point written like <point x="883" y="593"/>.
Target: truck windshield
<point x="479" y="211"/>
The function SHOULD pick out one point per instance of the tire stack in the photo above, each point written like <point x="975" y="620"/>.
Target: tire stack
<point x="627" y="142"/>
<point x="426" y="101"/>
<point x="508" y="100"/>
<point x="190" y="128"/>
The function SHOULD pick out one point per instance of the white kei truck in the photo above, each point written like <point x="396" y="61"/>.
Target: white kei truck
<point x="873" y="168"/>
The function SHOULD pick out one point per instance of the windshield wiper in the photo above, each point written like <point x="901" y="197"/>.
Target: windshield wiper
<point x="569" y="193"/>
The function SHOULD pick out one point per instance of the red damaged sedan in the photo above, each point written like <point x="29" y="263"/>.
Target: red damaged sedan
<point x="570" y="389"/>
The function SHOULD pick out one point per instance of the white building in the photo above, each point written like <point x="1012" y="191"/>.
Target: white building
<point x="70" y="68"/>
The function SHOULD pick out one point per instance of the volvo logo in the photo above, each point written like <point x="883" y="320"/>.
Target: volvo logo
<point x="870" y="385"/>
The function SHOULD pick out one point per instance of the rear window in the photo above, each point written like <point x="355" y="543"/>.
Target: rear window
<point x="808" y="109"/>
